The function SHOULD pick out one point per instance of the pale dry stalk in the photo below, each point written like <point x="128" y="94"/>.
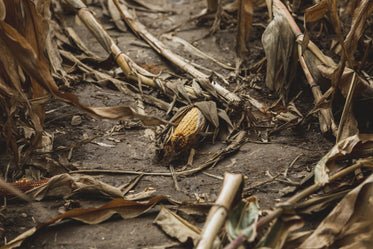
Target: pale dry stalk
<point x="326" y="118"/>
<point x="218" y="213"/>
<point x="140" y="30"/>
<point x="129" y="67"/>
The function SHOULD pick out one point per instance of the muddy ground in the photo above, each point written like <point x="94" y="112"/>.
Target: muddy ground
<point x="130" y="147"/>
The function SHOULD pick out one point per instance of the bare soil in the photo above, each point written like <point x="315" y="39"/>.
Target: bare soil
<point x="130" y="147"/>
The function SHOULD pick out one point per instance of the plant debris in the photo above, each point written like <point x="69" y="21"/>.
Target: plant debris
<point x="223" y="93"/>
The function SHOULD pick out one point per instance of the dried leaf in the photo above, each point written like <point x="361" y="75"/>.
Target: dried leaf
<point x="363" y="88"/>
<point x="319" y="203"/>
<point x="348" y="147"/>
<point x="359" y="20"/>
<point x="125" y="208"/>
<point x="243" y="219"/>
<point x="349" y="224"/>
<point x="65" y="186"/>
<point x="209" y="110"/>
<point x="316" y="12"/>
<point x="177" y="227"/>
<point x="39" y="70"/>
<point x="115" y="16"/>
<point x="279" y="46"/>
<point x="279" y="231"/>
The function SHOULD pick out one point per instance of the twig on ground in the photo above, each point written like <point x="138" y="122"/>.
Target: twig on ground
<point x="291" y="164"/>
<point x="213" y="176"/>
<point x="174" y="177"/>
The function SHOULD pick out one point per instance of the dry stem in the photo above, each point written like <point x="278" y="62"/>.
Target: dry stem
<point x="218" y="213"/>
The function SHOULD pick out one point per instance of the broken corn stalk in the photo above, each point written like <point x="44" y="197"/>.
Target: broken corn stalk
<point x="187" y="130"/>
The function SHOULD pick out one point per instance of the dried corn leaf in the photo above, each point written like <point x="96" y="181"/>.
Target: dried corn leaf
<point x="39" y="70"/>
<point x="316" y="12"/>
<point x="65" y="186"/>
<point x="15" y="95"/>
<point x="177" y="227"/>
<point x="115" y="16"/>
<point x="125" y="208"/>
<point x="359" y="21"/>
<point x="349" y="224"/>
<point x="279" y="46"/>
<point x="352" y="147"/>
<point x="280" y="230"/>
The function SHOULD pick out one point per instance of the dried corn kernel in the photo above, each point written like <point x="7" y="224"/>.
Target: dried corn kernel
<point x="187" y="130"/>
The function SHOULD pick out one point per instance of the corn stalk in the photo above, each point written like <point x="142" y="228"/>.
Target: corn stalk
<point x="214" y="88"/>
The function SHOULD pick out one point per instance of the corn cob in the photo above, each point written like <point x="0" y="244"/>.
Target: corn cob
<point x="23" y="185"/>
<point x="186" y="133"/>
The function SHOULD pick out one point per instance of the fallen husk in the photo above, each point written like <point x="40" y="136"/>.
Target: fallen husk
<point x="231" y="189"/>
<point x="125" y="208"/>
<point x="177" y="227"/>
<point x="349" y="223"/>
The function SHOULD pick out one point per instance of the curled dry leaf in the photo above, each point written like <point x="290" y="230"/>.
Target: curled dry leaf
<point x="351" y="147"/>
<point x="359" y="18"/>
<point x="125" y="208"/>
<point x="177" y="227"/>
<point x="349" y="224"/>
<point x="363" y="88"/>
<point x="281" y="52"/>
<point x="279" y="231"/>
<point x="39" y="70"/>
<point x="316" y="12"/>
